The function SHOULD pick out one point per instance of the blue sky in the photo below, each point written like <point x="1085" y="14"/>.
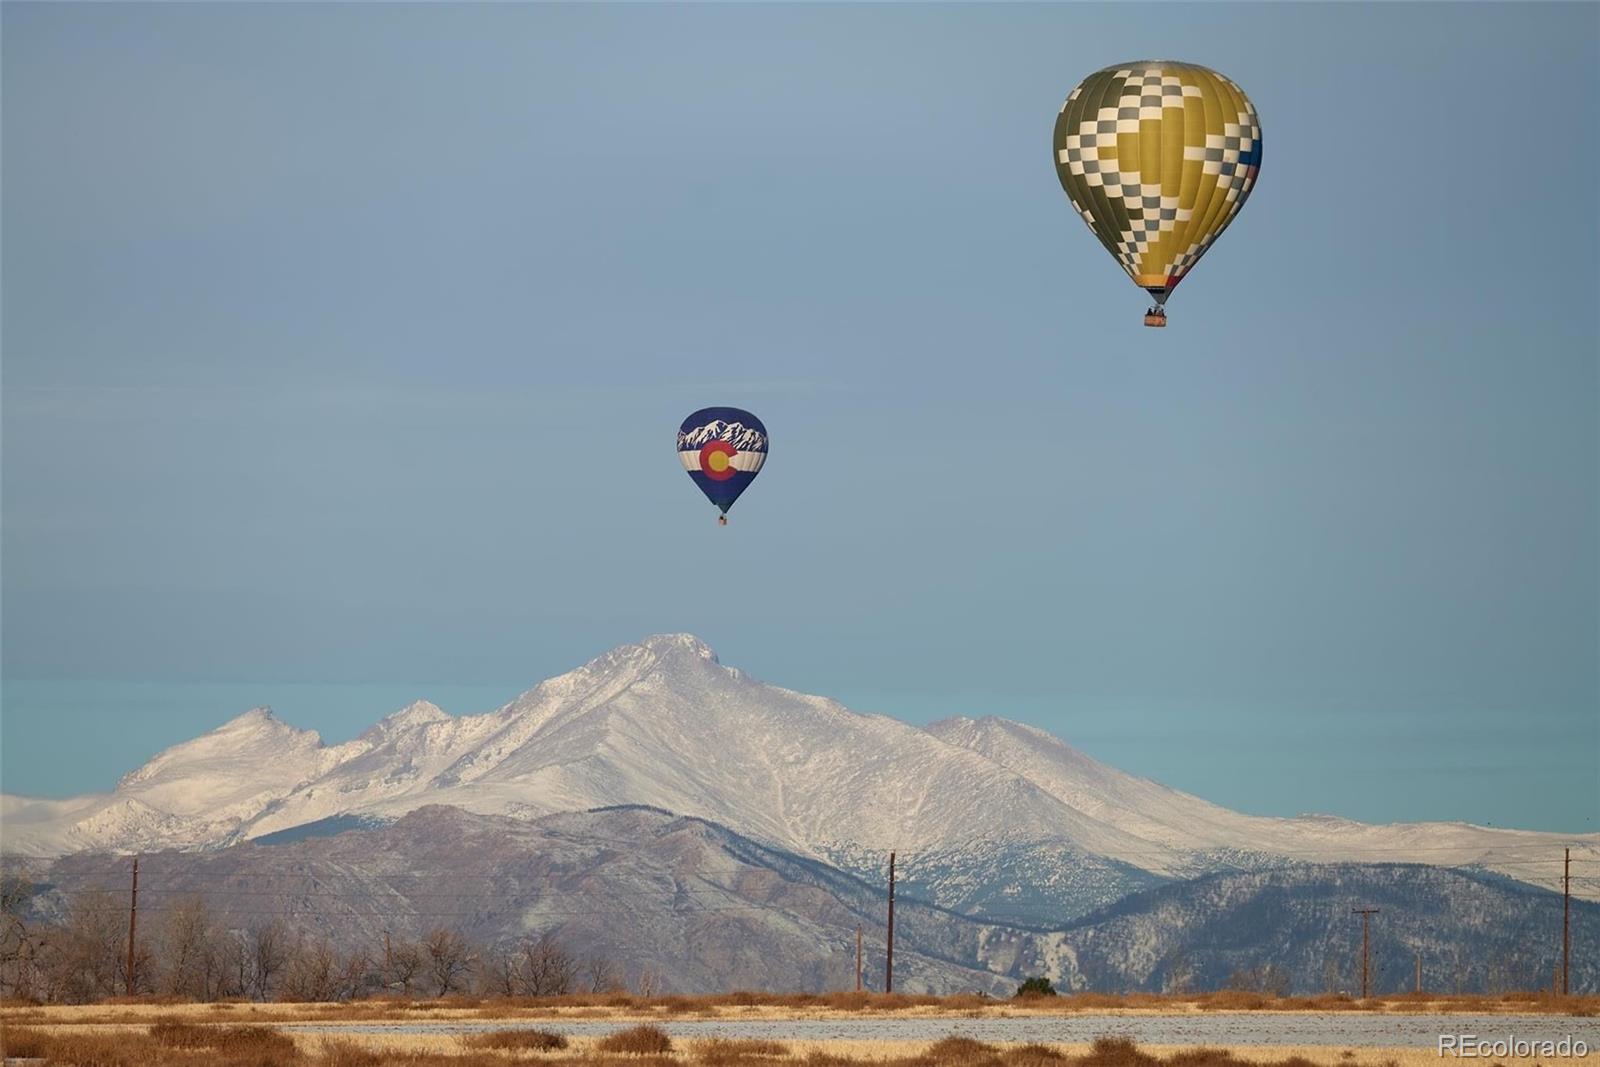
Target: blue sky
<point x="344" y="346"/>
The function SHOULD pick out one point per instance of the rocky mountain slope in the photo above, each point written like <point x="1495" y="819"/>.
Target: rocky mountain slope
<point x="704" y="908"/>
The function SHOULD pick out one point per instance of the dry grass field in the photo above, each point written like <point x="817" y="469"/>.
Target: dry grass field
<point x="145" y="1033"/>
<point x="168" y="1043"/>
<point x="624" y="1007"/>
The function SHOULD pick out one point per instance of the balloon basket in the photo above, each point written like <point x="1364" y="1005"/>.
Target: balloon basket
<point x="722" y="520"/>
<point x="1155" y="317"/>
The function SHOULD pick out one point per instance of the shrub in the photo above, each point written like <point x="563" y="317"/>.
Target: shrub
<point x="25" y="1044"/>
<point x="718" y="1051"/>
<point x="967" y="1001"/>
<point x="246" y="1040"/>
<point x="1235" y="1000"/>
<point x="687" y="1005"/>
<point x="639" y="1040"/>
<point x="1117" y="1052"/>
<point x="1032" y="1056"/>
<point x="343" y="1052"/>
<point x="956" y="1051"/>
<point x="536" y="1040"/>
<point x="1202" y="1057"/>
<point x="847" y="1001"/>
<point x="182" y="1035"/>
<point x="1037" y="986"/>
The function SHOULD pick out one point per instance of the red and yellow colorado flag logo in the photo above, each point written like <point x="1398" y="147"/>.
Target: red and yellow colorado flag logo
<point x="716" y="460"/>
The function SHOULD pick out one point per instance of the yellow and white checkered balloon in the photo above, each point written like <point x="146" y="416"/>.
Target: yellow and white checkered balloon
<point x="1157" y="157"/>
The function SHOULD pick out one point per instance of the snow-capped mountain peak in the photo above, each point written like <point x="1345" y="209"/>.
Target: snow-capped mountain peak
<point x="975" y="805"/>
<point x="664" y="645"/>
<point x="413" y="715"/>
<point x="255" y="734"/>
<point x="254" y="719"/>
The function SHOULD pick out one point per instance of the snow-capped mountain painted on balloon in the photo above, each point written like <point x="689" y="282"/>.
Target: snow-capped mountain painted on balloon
<point x="989" y="816"/>
<point x="737" y="434"/>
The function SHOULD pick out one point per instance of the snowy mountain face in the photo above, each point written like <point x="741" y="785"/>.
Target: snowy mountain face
<point x="1184" y="835"/>
<point x="737" y="434"/>
<point x="988" y="816"/>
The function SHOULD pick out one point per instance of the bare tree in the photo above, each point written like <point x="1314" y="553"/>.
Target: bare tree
<point x="92" y="948"/>
<point x="405" y="964"/>
<point x="219" y="969"/>
<point x="266" y="953"/>
<point x="600" y="974"/>
<point x="235" y="964"/>
<point x="144" y="968"/>
<point x="501" y="973"/>
<point x="649" y="982"/>
<point x="187" y="949"/>
<point x="310" y="972"/>
<point x="449" y="959"/>
<point x="548" y="970"/>
<point x="48" y="975"/>
<point x="355" y="975"/>
<point x="18" y="947"/>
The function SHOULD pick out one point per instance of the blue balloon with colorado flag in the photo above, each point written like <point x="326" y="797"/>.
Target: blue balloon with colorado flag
<point x="723" y="450"/>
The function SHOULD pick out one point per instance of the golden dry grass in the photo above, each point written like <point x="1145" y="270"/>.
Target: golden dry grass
<point x="225" y="1047"/>
<point x="725" y="1051"/>
<point x="225" y="1039"/>
<point x="746" y="1005"/>
<point x="170" y="1044"/>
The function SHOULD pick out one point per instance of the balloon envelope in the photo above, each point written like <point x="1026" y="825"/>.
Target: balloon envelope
<point x="1157" y="157"/>
<point x="723" y="450"/>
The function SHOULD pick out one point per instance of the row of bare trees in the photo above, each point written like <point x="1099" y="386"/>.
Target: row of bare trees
<point x="191" y="952"/>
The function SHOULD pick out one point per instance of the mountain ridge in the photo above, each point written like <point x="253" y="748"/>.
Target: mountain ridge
<point x="981" y="810"/>
<point x="705" y="908"/>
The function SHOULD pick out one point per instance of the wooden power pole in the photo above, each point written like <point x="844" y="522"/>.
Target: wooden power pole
<point x="1566" y="923"/>
<point x="133" y="922"/>
<point x="858" y="957"/>
<point x="1366" y="918"/>
<point x="1419" y="972"/>
<point x="888" y="963"/>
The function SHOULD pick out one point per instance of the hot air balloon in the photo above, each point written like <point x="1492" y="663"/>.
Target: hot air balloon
<point x="723" y="450"/>
<point x="1158" y="157"/>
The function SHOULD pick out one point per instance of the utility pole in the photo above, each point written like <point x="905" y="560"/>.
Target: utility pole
<point x="387" y="961"/>
<point x="1566" y="923"/>
<point x="1366" y="918"/>
<point x="858" y="957"/>
<point x="888" y="963"/>
<point x="1419" y="972"/>
<point x="133" y="921"/>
